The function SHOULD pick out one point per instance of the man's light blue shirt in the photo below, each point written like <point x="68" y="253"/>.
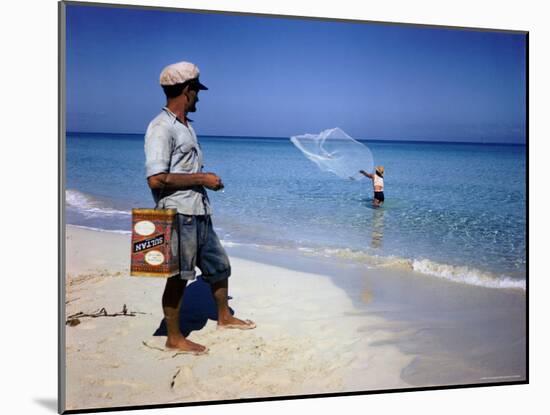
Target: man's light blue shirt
<point x="172" y="147"/>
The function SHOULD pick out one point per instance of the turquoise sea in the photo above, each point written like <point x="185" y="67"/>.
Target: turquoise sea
<point x="452" y="210"/>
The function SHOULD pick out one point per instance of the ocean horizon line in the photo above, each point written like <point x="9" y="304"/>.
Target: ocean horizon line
<point x="376" y="140"/>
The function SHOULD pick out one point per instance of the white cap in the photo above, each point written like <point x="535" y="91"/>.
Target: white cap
<point x="178" y="73"/>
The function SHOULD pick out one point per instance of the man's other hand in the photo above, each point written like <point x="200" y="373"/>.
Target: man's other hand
<point x="212" y="181"/>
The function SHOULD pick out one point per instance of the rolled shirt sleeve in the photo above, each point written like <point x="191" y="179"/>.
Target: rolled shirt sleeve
<point x="158" y="149"/>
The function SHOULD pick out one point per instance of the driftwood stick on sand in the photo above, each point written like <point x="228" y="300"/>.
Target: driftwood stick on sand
<point x="152" y="347"/>
<point x="174" y="379"/>
<point x="102" y="312"/>
<point x="163" y="350"/>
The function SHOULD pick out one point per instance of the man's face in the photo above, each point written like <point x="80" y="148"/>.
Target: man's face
<point x="193" y="97"/>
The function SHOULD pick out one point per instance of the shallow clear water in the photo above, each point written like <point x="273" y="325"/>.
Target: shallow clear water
<point x="448" y="206"/>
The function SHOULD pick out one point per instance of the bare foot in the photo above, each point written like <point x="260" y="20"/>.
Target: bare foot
<point x="231" y="322"/>
<point x="181" y="344"/>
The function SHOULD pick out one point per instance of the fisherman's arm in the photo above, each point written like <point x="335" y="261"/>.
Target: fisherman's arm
<point x="363" y="172"/>
<point x="183" y="181"/>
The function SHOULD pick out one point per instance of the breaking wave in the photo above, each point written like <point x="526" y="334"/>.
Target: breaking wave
<point x="454" y="273"/>
<point x="466" y="275"/>
<point x="90" y="228"/>
<point x="89" y="206"/>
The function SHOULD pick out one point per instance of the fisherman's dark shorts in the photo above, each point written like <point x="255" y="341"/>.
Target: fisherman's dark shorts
<point x="200" y="247"/>
<point x="379" y="196"/>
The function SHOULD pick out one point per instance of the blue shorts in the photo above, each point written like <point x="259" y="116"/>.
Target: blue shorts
<point x="200" y="247"/>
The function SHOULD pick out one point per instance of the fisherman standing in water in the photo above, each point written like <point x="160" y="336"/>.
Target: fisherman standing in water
<point x="378" y="184"/>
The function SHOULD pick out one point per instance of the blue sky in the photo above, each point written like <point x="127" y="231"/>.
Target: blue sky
<point x="279" y="77"/>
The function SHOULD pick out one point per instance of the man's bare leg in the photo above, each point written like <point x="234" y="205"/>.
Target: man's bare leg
<point x="171" y="303"/>
<point x="225" y="318"/>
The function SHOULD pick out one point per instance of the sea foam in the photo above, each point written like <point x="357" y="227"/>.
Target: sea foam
<point x="90" y="228"/>
<point x="466" y="275"/>
<point x="454" y="273"/>
<point x="89" y="206"/>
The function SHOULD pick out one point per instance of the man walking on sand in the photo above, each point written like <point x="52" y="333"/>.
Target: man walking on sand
<point x="173" y="163"/>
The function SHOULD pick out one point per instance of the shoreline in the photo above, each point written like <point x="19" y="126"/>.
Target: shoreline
<point x="460" y="274"/>
<point x="358" y="329"/>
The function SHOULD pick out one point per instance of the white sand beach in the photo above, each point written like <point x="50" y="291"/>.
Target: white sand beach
<point x="309" y="337"/>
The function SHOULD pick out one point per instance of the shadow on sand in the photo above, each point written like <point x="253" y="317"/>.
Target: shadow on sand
<point x="198" y="306"/>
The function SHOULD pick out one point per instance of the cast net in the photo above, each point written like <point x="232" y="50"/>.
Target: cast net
<point x="336" y="152"/>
